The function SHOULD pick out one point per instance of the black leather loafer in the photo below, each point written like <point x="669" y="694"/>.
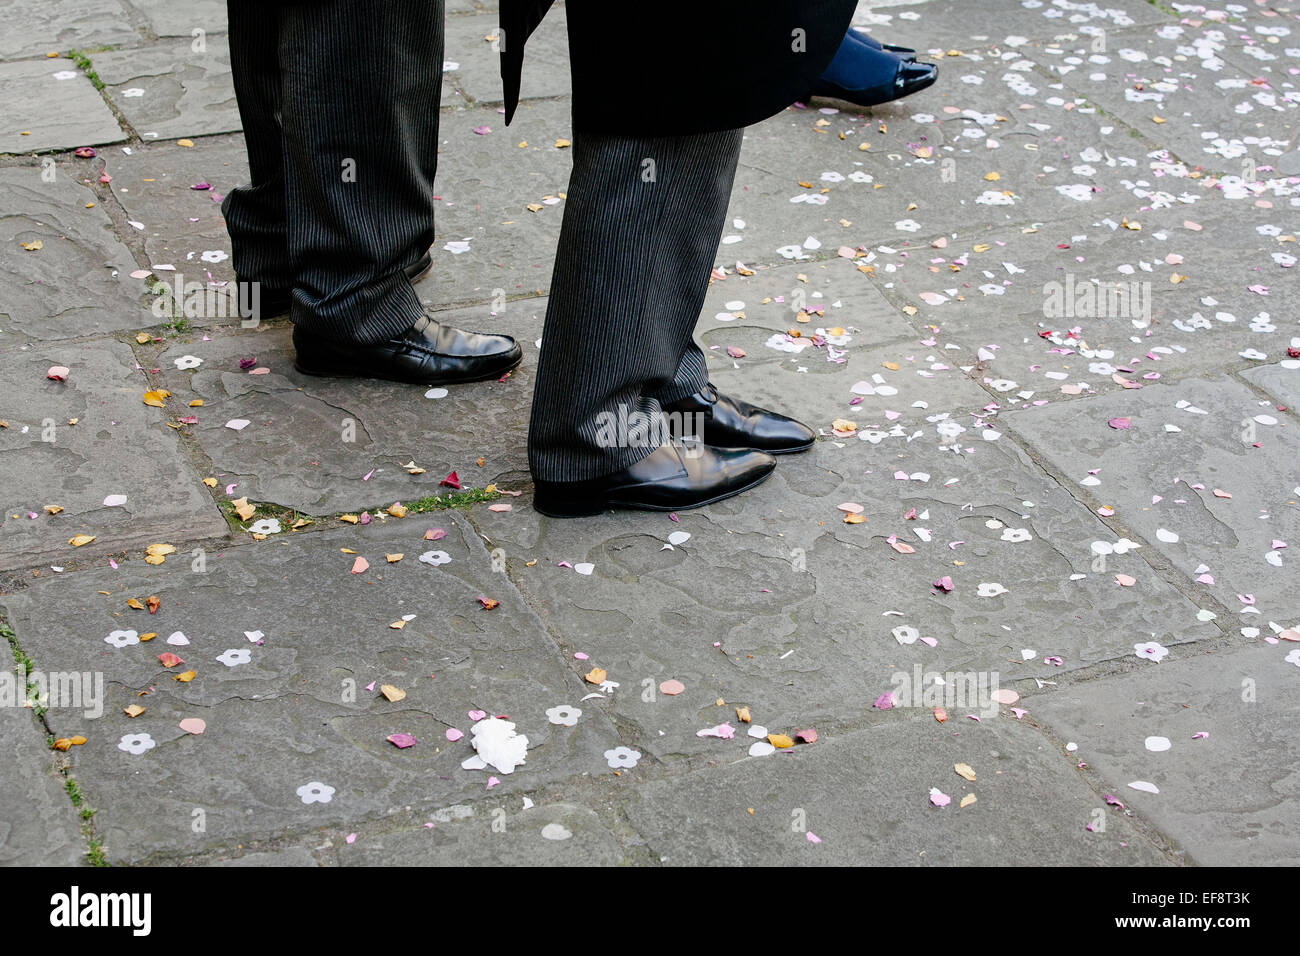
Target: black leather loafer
<point x="426" y="354"/>
<point x="274" y="303"/>
<point x="731" y="423"/>
<point x="676" y="476"/>
<point x="910" y="77"/>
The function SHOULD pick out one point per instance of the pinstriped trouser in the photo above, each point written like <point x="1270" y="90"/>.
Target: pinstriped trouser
<point x="641" y="227"/>
<point x="339" y="102"/>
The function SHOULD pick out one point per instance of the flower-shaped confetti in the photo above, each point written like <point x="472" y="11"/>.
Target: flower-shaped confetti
<point x="1292" y="658"/>
<point x="564" y="715"/>
<point x="236" y="656"/>
<point x="435" y="557"/>
<point x="622" y="757"/>
<point x="265" y="526"/>
<point x="990" y="589"/>
<point x="1151" y="650"/>
<point x="136" y="744"/>
<point x="1016" y="534"/>
<point x="316" y="792"/>
<point x="122" y="638"/>
<point x="188" y="361"/>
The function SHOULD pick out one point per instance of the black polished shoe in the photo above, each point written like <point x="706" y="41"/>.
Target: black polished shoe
<point x="425" y="354"/>
<point x="731" y="423"/>
<point x="676" y="476"/>
<point x="910" y="77"/>
<point x="276" y="302"/>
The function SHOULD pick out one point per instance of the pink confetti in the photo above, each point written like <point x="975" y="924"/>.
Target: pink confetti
<point x="812" y="837"/>
<point x="580" y="656"/>
<point x="1201" y="735"/>
<point x="944" y="584"/>
<point x="1120" y="423"/>
<point x="939" y="798"/>
<point x="401" y="741"/>
<point x="723" y="730"/>
<point x="371" y="685"/>
<point x="351" y="838"/>
<point x="477" y="714"/>
<point x="492" y="782"/>
<point x="435" y="534"/>
<point x="453" y="734"/>
<point x="885" y="701"/>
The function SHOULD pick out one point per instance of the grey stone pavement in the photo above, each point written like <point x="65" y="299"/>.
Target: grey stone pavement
<point x="1042" y="314"/>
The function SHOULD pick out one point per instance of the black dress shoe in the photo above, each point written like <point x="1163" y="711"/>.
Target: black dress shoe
<point x="910" y="77"/>
<point x="425" y="354"/>
<point x="676" y="476"/>
<point x="731" y="423"/>
<point x="273" y="303"/>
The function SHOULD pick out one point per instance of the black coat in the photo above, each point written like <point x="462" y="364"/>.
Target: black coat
<point x="674" y="67"/>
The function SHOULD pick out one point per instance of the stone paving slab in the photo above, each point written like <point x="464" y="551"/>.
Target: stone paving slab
<point x="866" y="797"/>
<point x="1229" y="798"/>
<point x="1280" y="380"/>
<point x="170" y="18"/>
<point x="287" y="717"/>
<point x="815" y="382"/>
<point x="36" y="27"/>
<point x="992" y="144"/>
<point x="171" y="90"/>
<point x="295" y="452"/>
<point x="557" y="834"/>
<point x="39" y="826"/>
<point x="775" y="603"/>
<point x="485" y="184"/>
<point x="183" y="227"/>
<point x="1213" y="449"/>
<point x="478" y="73"/>
<point x="119" y="446"/>
<point x="1194" y="88"/>
<point x="53" y="103"/>
<point x="77" y="283"/>
<point x="1052" y="311"/>
<point x="941" y="25"/>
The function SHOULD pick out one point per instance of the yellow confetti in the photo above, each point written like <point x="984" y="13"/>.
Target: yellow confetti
<point x="133" y="710"/>
<point x="967" y="800"/>
<point x="964" y="770"/>
<point x="186" y="677"/>
<point x="34" y="246"/>
<point x="394" y="694"/>
<point x="78" y="540"/>
<point x="187" y="143"/>
<point x="780" y="741"/>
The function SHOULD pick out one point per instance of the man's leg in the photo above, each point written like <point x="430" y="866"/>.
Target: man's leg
<point x="639" y="237"/>
<point x="361" y="84"/>
<point x="255" y="212"/>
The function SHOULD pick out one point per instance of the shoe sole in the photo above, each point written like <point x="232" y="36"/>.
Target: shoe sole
<point x="585" y="509"/>
<point x="345" y="373"/>
<point x="787" y="451"/>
